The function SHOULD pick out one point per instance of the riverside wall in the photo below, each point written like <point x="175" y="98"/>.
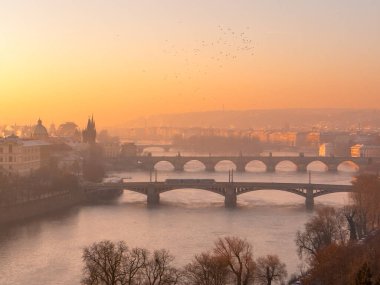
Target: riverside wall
<point x="51" y="203"/>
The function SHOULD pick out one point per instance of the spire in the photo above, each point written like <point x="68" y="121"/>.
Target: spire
<point x="89" y="134"/>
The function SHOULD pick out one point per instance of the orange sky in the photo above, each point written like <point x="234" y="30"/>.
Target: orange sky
<point x="63" y="60"/>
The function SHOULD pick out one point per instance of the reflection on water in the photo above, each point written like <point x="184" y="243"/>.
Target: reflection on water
<point x="48" y="250"/>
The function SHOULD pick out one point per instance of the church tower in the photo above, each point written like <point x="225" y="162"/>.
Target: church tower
<point x="89" y="134"/>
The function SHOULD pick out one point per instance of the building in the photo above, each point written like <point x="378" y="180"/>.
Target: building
<point x="89" y="134"/>
<point x="326" y="149"/>
<point x="40" y="132"/>
<point x="21" y="157"/>
<point x="361" y="150"/>
<point x="129" y="150"/>
<point x="340" y="140"/>
<point x="111" y="149"/>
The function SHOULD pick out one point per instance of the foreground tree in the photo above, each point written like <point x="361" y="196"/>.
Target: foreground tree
<point x="134" y="262"/>
<point x="158" y="270"/>
<point x="350" y="213"/>
<point x="270" y="269"/>
<point x="104" y="263"/>
<point x="108" y="263"/>
<point x="326" y="228"/>
<point x="207" y="269"/>
<point x="238" y="254"/>
<point x="366" y="200"/>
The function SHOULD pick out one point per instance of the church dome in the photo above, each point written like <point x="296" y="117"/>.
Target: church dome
<point x="40" y="132"/>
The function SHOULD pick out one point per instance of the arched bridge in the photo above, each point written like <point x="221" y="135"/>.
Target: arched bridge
<point x="142" y="147"/>
<point x="241" y="162"/>
<point x="230" y="190"/>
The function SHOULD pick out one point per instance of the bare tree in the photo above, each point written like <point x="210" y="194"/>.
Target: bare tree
<point x="158" y="270"/>
<point x="104" y="263"/>
<point x="207" y="269"/>
<point x="350" y="213"/>
<point x="238" y="254"/>
<point x="325" y="228"/>
<point x="134" y="262"/>
<point x="366" y="198"/>
<point x="270" y="269"/>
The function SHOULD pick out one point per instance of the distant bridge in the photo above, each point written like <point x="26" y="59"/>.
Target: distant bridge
<point x="240" y="162"/>
<point x="229" y="190"/>
<point x="142" y="147"/>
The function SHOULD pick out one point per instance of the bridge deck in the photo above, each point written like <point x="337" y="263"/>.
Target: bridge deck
<point x="213" y="184"/>
<point x="230" y="190"/>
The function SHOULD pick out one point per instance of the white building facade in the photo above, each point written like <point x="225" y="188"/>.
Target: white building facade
<point x="361" y="150"/>
<point x="326" y="149"/>
<point x="20" y="157"/>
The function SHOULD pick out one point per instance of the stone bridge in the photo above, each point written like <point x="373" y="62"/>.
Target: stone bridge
<point x="142" y="147"/>
<point x="229" y="190"/>
<point x="301" y="162"/>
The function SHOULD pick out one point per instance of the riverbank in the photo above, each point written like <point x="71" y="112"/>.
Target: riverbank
<point x="38" y="207"/>
<point x="51" y="203"/>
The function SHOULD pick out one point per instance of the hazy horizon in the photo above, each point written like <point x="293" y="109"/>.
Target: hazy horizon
<point x="240" y="119"/>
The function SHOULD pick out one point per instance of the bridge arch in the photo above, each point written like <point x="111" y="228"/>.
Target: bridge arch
<point x="348" y="166"/>
<point x="225" y="165"/>
<point x="164" y="165"/>
<point x="317" y="166"/>
<point x="293" y="191"/>
<point x="212" y="190"/>
<point x="286" y="166"/>
<point x="152" y="149"/>
<point x="256" y="166"/>
<point x="327" y="192"/>
<point x="194" y="165"/>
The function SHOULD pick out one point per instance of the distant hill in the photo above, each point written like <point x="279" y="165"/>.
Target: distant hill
<point x="293" y="118"/>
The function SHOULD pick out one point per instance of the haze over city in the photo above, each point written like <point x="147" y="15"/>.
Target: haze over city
<point x="169" y="142"/>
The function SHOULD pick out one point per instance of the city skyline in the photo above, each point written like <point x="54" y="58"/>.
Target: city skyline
<point x="127" y="59"/>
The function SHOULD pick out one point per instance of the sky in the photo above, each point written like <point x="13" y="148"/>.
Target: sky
<point x="63" y="60"/>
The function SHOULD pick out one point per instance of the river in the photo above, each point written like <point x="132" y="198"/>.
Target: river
<point x="48" y="250"/>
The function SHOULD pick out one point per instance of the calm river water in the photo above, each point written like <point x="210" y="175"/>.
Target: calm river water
<point x="48" y="250"/>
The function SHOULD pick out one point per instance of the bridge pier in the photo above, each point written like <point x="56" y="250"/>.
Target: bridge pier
<point x="147" y="167"/>
<point x="230" y="199"/>
<point x="271" y="168"/>
<point x="301" y="167"/>
<point x="240" y="167"/>
<point x="179" y="167"/>
<point x="332" y="168"/>
<point x="309" y="202"/>
<point x="153" y="197"/>
<point x="210" y="167"/>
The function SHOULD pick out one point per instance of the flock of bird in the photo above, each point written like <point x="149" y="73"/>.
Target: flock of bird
<point x="198" y="59"/>
<point x="206" y="55"/>
<point x="228" y="45"/>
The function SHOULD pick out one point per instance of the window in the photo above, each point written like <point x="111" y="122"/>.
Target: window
<point x="10" y="159"/>
<point x="1" y="150"/>
<point x="10" y="148"/>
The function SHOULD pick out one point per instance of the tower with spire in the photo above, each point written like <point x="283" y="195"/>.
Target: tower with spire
<point x="89" y="133"/>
